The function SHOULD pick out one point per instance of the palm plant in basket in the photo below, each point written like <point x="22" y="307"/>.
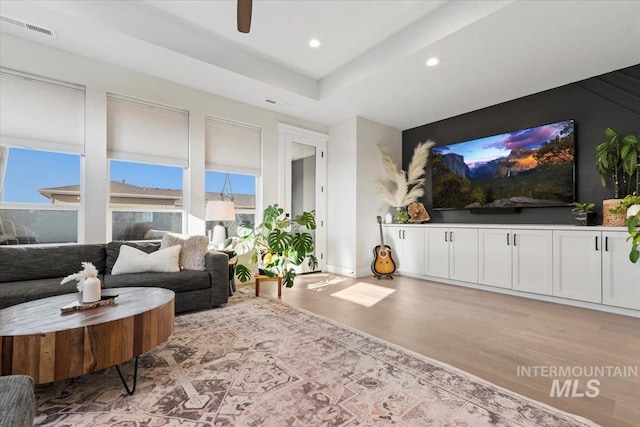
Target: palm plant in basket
<point x="277" y="244"/>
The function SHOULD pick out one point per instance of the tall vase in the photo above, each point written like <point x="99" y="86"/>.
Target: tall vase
<point x="91" y="290"/>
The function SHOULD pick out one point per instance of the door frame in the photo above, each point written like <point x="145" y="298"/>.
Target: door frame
<point x="287" y="135"/>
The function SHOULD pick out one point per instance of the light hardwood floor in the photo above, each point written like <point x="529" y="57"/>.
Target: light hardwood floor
<point x="490" y="335"/>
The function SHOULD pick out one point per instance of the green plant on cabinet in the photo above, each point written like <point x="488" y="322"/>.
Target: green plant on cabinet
<point x="633" y="224"/>
<point x="619" y="158"/>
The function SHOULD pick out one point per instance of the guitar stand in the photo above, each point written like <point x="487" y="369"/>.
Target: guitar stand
<point x="386" y="276"/>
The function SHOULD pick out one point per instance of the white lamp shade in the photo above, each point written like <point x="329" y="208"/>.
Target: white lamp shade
<point x="219" y="210"/>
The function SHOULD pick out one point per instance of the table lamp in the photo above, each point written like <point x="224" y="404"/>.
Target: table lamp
<point x="220" y="210"/>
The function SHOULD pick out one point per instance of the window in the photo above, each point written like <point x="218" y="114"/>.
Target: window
<point x="148" y="147"/>
<point x="233" y="161"/>
<point x="145" y="200"/>
<point x="41" y="143"/>
<point x="39" y="196"/>
<point x="241" y="189"/>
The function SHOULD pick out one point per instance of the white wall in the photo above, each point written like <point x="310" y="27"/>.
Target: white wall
<point x="341" y="192"/>
<point x="354" y="166"/>
<point x="371" y="134"/>
<point x="100" y="78"/>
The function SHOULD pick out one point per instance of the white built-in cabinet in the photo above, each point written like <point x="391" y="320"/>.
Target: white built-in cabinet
<point x="519" y="259"/>
<point x="589" y="264"/>
<point x="620" y="277"/>
<point x="452" y="253"/>
<point x="577" y="266"/>
<point x="407" y="248"/>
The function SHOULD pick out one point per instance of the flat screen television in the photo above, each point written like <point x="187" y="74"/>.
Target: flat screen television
<point x="527" y="168"/>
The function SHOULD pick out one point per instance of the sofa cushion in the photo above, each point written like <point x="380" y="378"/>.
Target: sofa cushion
<point x="192" y="252"/>
<point x="182" y="281"/>
<point x="113" y="250"/>
<point x="31" y="263"/>
<point x="12" y="293"/>
<point x="132" y="260"/>
<point x="17" y="401"/>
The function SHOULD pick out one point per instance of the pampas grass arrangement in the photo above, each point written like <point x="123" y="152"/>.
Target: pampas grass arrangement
<point x="409" y="184"/>
<point x="88" y="270"/>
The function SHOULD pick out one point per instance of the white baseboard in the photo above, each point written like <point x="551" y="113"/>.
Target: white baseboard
<point x="548" y="298"/>
<point x="343" y="271"/>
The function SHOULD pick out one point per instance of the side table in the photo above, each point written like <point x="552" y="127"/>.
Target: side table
<point x="233" y="260"/>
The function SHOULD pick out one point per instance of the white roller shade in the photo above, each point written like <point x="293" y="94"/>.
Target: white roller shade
<point x="41" y="114"/>
<point x="232" y="147"/>
<point x="140" y="131"/>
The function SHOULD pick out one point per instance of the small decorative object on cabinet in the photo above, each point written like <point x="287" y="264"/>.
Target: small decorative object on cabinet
<point x="418" y="213"/>
<point x="584" y="214"/>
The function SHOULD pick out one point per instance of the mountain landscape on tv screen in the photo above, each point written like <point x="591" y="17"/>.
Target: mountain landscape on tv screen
<point x="525" y="168"/>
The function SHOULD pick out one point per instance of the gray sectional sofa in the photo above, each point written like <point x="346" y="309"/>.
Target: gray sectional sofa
<point x="17" y="401"/>
<point x="30" y="272"/>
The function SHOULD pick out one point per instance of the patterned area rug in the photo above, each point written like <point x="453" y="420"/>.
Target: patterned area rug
<point x="260" y="362"/>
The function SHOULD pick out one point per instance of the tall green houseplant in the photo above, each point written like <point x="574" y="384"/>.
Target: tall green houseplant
<point x="277" y="244"/>
<point x="619" y="158"/>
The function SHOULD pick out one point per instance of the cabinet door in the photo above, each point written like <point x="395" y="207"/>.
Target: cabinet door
<point x="436" y="242"/>
<point x="620" y="277"/>
<point x="463" y="254"/>
<point x="393" y="239"/>
<point x="532" y="252"/>
<point x="413" y="250"/>
<point x="577" y="265"/>
<point x="494" y="257"/>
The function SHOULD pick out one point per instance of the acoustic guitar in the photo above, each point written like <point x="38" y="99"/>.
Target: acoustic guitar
<point x="382" y="264"/>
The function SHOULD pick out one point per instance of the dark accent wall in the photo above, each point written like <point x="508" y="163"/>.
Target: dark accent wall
<point x="609" y="100"/>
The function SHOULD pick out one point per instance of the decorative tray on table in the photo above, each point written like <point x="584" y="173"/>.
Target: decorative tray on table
<point x="79" y="305"/>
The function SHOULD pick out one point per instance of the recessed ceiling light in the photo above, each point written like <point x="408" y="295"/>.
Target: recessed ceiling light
<point x="432" y="62"/>
<point x="314" y="43"/>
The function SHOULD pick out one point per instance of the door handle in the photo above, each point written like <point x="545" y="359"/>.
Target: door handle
<point x="451" y="236"/>
<point x="606" y="244"/>
<point x="445" y="237"/>
<point x="515" y="242"/>
<point x="403" y="235"/>
<point x="597" y="243"/>
<point x="508" y="238"/>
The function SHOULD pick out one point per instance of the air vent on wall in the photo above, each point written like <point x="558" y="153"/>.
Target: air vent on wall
<point x="26" y="25"/>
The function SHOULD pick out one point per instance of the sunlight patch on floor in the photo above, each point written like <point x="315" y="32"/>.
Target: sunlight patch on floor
<point x="364" y="294"/>
<point x="319" y="286"/>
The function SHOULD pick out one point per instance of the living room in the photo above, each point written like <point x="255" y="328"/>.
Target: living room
<point x="191" y="81"/>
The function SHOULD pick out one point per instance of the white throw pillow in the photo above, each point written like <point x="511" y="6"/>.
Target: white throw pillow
<point x="132" y="260"/>
<point x="193" y="249"/>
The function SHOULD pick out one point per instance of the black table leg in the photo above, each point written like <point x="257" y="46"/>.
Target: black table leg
<point x="135" y="378"/>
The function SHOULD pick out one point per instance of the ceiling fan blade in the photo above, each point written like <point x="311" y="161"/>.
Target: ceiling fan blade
<point x="244" y="15"/>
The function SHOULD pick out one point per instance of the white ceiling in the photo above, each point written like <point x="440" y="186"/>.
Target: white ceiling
<point x="371" y="62"/>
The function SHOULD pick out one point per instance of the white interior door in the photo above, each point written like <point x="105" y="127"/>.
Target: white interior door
<point x="305" y="159"/>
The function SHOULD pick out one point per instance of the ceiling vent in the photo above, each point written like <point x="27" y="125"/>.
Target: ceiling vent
<point x="26" y="25"/>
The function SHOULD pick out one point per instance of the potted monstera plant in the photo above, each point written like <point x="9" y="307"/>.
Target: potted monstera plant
<point x="276" y="245"/>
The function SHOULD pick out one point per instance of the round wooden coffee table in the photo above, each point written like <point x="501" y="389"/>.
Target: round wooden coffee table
<point x="37" y="340"/>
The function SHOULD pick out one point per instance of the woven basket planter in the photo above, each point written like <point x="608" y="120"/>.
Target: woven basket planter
<point x="610" y="219"/>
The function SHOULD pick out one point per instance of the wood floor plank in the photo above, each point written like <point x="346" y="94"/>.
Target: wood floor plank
<point x="491" y="335"/>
